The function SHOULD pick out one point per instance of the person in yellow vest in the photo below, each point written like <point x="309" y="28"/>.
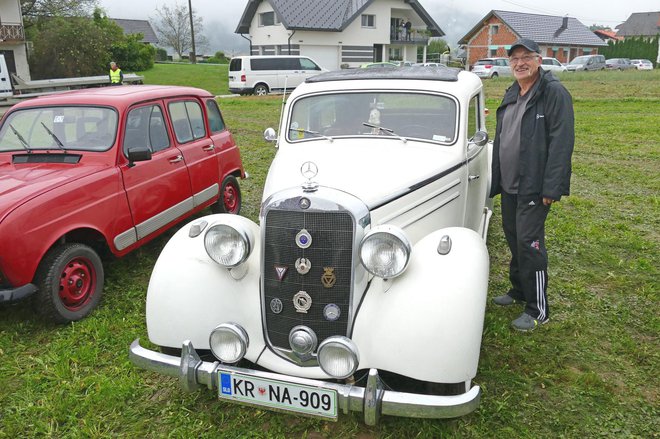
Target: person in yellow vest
<point x="116" y="76"/>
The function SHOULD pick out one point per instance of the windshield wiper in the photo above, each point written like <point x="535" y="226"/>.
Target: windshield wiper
<point x="315" y="133"/>
<point x="386" y="130"/>
<point x="20" y="138"/>
<point x="52" y="134"/>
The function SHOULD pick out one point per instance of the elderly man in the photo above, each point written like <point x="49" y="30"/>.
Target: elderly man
<point x="531" y="169"/>
<point x="116" y="76"/>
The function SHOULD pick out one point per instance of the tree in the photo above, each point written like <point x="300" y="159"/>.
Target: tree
<point x="594" y="27"/>
<point x="65" y="47"/>
<point x="35" y="10"/>
<point x="434" y="50"/>
<point x="173" y="28"/>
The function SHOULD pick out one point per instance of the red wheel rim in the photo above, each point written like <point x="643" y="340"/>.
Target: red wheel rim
<point x="77" y="283"/>
<point x="230" y="198"/>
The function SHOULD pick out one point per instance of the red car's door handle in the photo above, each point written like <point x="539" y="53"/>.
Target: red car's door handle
<point x="176" y="159"/>
<point x="210" y="147"/>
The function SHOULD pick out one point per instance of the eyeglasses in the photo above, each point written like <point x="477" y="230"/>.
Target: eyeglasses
<point x="525" y="59"/>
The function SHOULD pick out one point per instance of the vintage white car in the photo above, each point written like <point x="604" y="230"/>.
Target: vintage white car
<point x="364" y="286"/>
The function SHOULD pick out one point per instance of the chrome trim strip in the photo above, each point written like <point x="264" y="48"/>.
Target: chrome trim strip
<point x="125" y="239"/>
<point x="160" y="220"/>
<point x="373" y="400"/>
<point x="206" y="194"/>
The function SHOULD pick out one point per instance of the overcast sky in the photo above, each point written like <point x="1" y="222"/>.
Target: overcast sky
<point x="455" y="17"/>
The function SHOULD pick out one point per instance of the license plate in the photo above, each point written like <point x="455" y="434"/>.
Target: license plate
<point x="276" y="394"/>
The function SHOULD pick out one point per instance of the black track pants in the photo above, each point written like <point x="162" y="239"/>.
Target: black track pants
<point x="524" y="229"/>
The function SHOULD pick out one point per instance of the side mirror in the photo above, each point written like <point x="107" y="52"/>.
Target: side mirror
<point x="270" y="135"/>
<point x="480" y="138"/>
<point x="138" y="154"/>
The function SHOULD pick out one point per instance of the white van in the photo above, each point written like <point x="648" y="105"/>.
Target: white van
<point x="263" y="74"/>
<point x="5" y="81"/>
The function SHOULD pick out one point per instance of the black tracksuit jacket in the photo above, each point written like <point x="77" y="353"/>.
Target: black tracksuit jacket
<point x="546" y="141"/>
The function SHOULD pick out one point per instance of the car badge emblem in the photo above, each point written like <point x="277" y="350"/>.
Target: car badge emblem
<point x="303" y="265"/>
<point x="302" y="302"/>
<point x="280" y="270"/>
<point x="304" y="203"/>
<point x="276" y="305"/>
<point x="303" y="239"/>
<point x="309" y="170"/>
<point x="331" y="312"/>
<point x="328" y="278"/>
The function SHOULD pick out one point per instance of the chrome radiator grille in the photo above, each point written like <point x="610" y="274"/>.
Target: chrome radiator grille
<point x="330" y="254"/>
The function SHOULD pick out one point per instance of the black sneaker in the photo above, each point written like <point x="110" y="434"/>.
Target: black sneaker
<point x="527" y="323"/>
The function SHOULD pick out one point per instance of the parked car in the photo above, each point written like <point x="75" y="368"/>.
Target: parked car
<point x="642" y="64"/>
<point x="363" y="287"/>
<point x="431" y="64"/>
<point x="492" y="67"/>
<point x="103" y="171"/>
<point x="263" y="74"/>
<point x="552" y="64"/>
<point x="586" y="63"/>
<point x="380" y="64"/>
<point x="618" y="64"/>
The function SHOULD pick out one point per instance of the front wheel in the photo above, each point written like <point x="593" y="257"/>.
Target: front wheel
<point x="70" y="283"/>
<point x="230" y="197"/>
<point x="494" y="75"/>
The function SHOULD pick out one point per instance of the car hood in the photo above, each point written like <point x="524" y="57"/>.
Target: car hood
<point x="20" y="183"/>
<point x="374" y="170"/>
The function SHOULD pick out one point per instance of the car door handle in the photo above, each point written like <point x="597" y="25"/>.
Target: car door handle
<point x="473" y="177"/>
<point x="210" y="147"/>
<point x="176" y="159"/>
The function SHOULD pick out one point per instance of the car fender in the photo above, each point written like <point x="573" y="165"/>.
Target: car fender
<point x="189" y="294"/>
<point x="427" y="324"/>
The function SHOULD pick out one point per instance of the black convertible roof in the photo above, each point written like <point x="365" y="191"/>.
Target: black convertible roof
<point x="429" y="73"/>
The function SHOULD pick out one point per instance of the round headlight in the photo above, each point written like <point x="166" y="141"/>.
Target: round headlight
<point x="385" y="251"/>
<point x="229" y="342"/>
<point x="338" y="357"/>
<point x="226" y="245"/>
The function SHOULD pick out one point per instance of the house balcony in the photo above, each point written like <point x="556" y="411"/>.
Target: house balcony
<point x="417" y="37"/>
<point x="11" y="32"/>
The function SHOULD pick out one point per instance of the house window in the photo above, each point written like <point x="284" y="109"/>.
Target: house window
<point x="395" y="53"/>
<point x="492" y="52"/>
<point x="268" y="19"/>
<point x="368" y="20"/>
<point x="494" y="29"/>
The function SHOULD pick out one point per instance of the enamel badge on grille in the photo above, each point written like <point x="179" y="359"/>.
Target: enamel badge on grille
<point x="328" y="278"/>
<point x="302" y="302"/>
<point x="303" y="265"/>
<point x="280" y="271"/>
<point x="276" y="305"/>
<point x="303" y="239"/>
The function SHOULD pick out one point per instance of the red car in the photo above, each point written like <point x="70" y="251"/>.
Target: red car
<point x="97" y="170"/>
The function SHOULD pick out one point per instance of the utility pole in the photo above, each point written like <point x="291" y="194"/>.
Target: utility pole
<point x="193" y="55"/>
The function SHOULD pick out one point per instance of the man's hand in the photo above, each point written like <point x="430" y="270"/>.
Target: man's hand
<point x="547" y="201"/>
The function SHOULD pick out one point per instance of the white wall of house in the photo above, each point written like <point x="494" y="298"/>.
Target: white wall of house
<point x="10" y="14"/>
<point x="326" y="47"/>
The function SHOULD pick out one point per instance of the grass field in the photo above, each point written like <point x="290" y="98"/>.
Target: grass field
<point x="592" y="372"/>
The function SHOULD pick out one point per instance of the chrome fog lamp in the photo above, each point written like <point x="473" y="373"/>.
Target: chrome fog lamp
<point x="338" y="357"/>
<point x="227" y="245"/>
<point x="385" y="251"/>
<point x="229" y="342"/>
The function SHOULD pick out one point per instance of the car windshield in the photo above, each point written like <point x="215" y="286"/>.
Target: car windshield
<point x="580" y="60"/>
<point x="68" y="128"/>
<point x="402" y="115"/>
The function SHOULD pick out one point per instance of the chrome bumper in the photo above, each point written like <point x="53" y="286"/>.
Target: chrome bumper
<point x="373" y="400"/>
